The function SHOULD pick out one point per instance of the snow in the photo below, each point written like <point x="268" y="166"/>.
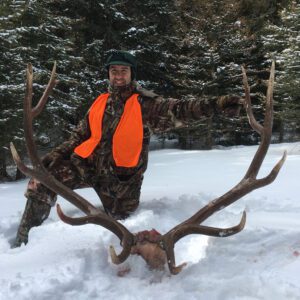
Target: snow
<point x="131" y="30"/>
<point x="261" y="262"/>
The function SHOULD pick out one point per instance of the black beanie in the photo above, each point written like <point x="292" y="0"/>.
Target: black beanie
<point x="122" y="58"/>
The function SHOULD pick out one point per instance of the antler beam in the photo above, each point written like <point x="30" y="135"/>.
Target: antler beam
<point x="94" y="215"/>
<point x="245" y="186"/>
<point x="156" y="249"/>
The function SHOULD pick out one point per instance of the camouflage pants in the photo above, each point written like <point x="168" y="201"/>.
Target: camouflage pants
<point x="119" y="197"/>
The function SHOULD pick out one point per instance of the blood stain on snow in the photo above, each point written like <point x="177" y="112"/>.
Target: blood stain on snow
<point x="296" y="253"/>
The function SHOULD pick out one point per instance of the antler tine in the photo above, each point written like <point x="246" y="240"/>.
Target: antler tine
<point x="168" y="245"/>
<point x="126" y="237"/>
<point x="274" y="172"/>
<point x="266" y="131"/>
<point x="210" y="231"/>
<point x="245" y="186"/>
<point x="30" y="114"/>
<point x="38" y="171"/>
<point x="27" y="118"/>
<point x="169" y="240"/>
<point x="248" y="106"/>
<point x="29" y="79"/>
<point x="18" y="161"/>
<point x="51" y="84"/>
<point x="94" y="215"/>
<point x="268" y="123"/>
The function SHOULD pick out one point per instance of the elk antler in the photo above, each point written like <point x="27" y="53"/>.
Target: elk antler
<point x="245" y="186"/>
<point x="156" y="249"/>
<point x="94" y="215"/>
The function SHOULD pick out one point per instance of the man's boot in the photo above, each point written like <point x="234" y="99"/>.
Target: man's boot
<point x="34" y="215"/>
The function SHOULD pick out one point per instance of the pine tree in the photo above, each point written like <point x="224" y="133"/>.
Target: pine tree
<point x="182" y="52"/>
<point x="282" y="43"/>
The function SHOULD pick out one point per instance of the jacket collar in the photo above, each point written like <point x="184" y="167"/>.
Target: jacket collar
<point x="122" y="93"/>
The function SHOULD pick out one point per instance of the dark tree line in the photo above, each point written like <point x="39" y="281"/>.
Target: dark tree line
<point x="186" y="49"/>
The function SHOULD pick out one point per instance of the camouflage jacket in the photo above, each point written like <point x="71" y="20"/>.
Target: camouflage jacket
<point x="159" y="115"/>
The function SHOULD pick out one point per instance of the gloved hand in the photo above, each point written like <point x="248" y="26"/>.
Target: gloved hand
<point x="230" y="105"/>
<point x="51" y="159"/>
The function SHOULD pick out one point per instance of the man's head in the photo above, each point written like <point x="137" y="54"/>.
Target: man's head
<point x="119" y="75"/>
<point x="121" y="67"/>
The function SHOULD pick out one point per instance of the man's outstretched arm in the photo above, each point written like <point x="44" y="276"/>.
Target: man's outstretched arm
<point x="168" y="113"/>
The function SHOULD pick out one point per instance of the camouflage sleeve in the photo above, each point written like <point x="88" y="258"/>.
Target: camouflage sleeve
<point x="167" y="113"/>
<point x="79" y="134"/>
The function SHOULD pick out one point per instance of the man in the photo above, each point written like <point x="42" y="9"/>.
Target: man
<point x="108" y="150"/>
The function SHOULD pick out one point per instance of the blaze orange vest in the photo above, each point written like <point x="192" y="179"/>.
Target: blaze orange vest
<point x="128" y="137"/>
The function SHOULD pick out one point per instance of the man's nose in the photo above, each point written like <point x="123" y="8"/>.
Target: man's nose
<point x="119" y="75"/>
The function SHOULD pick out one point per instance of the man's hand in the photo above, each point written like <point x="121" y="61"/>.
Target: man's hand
<point x="51" y="160"/>
<point x="230" y="105"/>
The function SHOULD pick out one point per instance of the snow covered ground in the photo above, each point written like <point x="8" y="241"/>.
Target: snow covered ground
<point x="261" y="262"/>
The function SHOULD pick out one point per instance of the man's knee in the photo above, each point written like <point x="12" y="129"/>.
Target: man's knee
<point x="35" y="213"/>
<point x="128" y="205"/>
<point x="122" y="208"/>
<point x="117" y="207"/>
<point x="120" y="198"/>
<point x="39" y="193"/>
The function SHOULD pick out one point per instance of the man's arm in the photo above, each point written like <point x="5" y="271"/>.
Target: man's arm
<point x="65" y="150"/>
<point x="167" y="113"/>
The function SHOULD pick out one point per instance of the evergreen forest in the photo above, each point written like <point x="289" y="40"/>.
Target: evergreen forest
<point x="186" y="49"/>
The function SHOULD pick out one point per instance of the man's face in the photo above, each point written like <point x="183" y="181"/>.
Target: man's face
<point x="119" y="75"/>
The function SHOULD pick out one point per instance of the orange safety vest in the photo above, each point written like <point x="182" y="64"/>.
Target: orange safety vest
<point x="128" y="137"/>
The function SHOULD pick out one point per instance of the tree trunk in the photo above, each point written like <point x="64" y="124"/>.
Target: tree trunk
<point x="281" y="130"/>
<point x="209" y="137"/>
<point x="19" y="175"/>
<point x="3" y="173"/>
